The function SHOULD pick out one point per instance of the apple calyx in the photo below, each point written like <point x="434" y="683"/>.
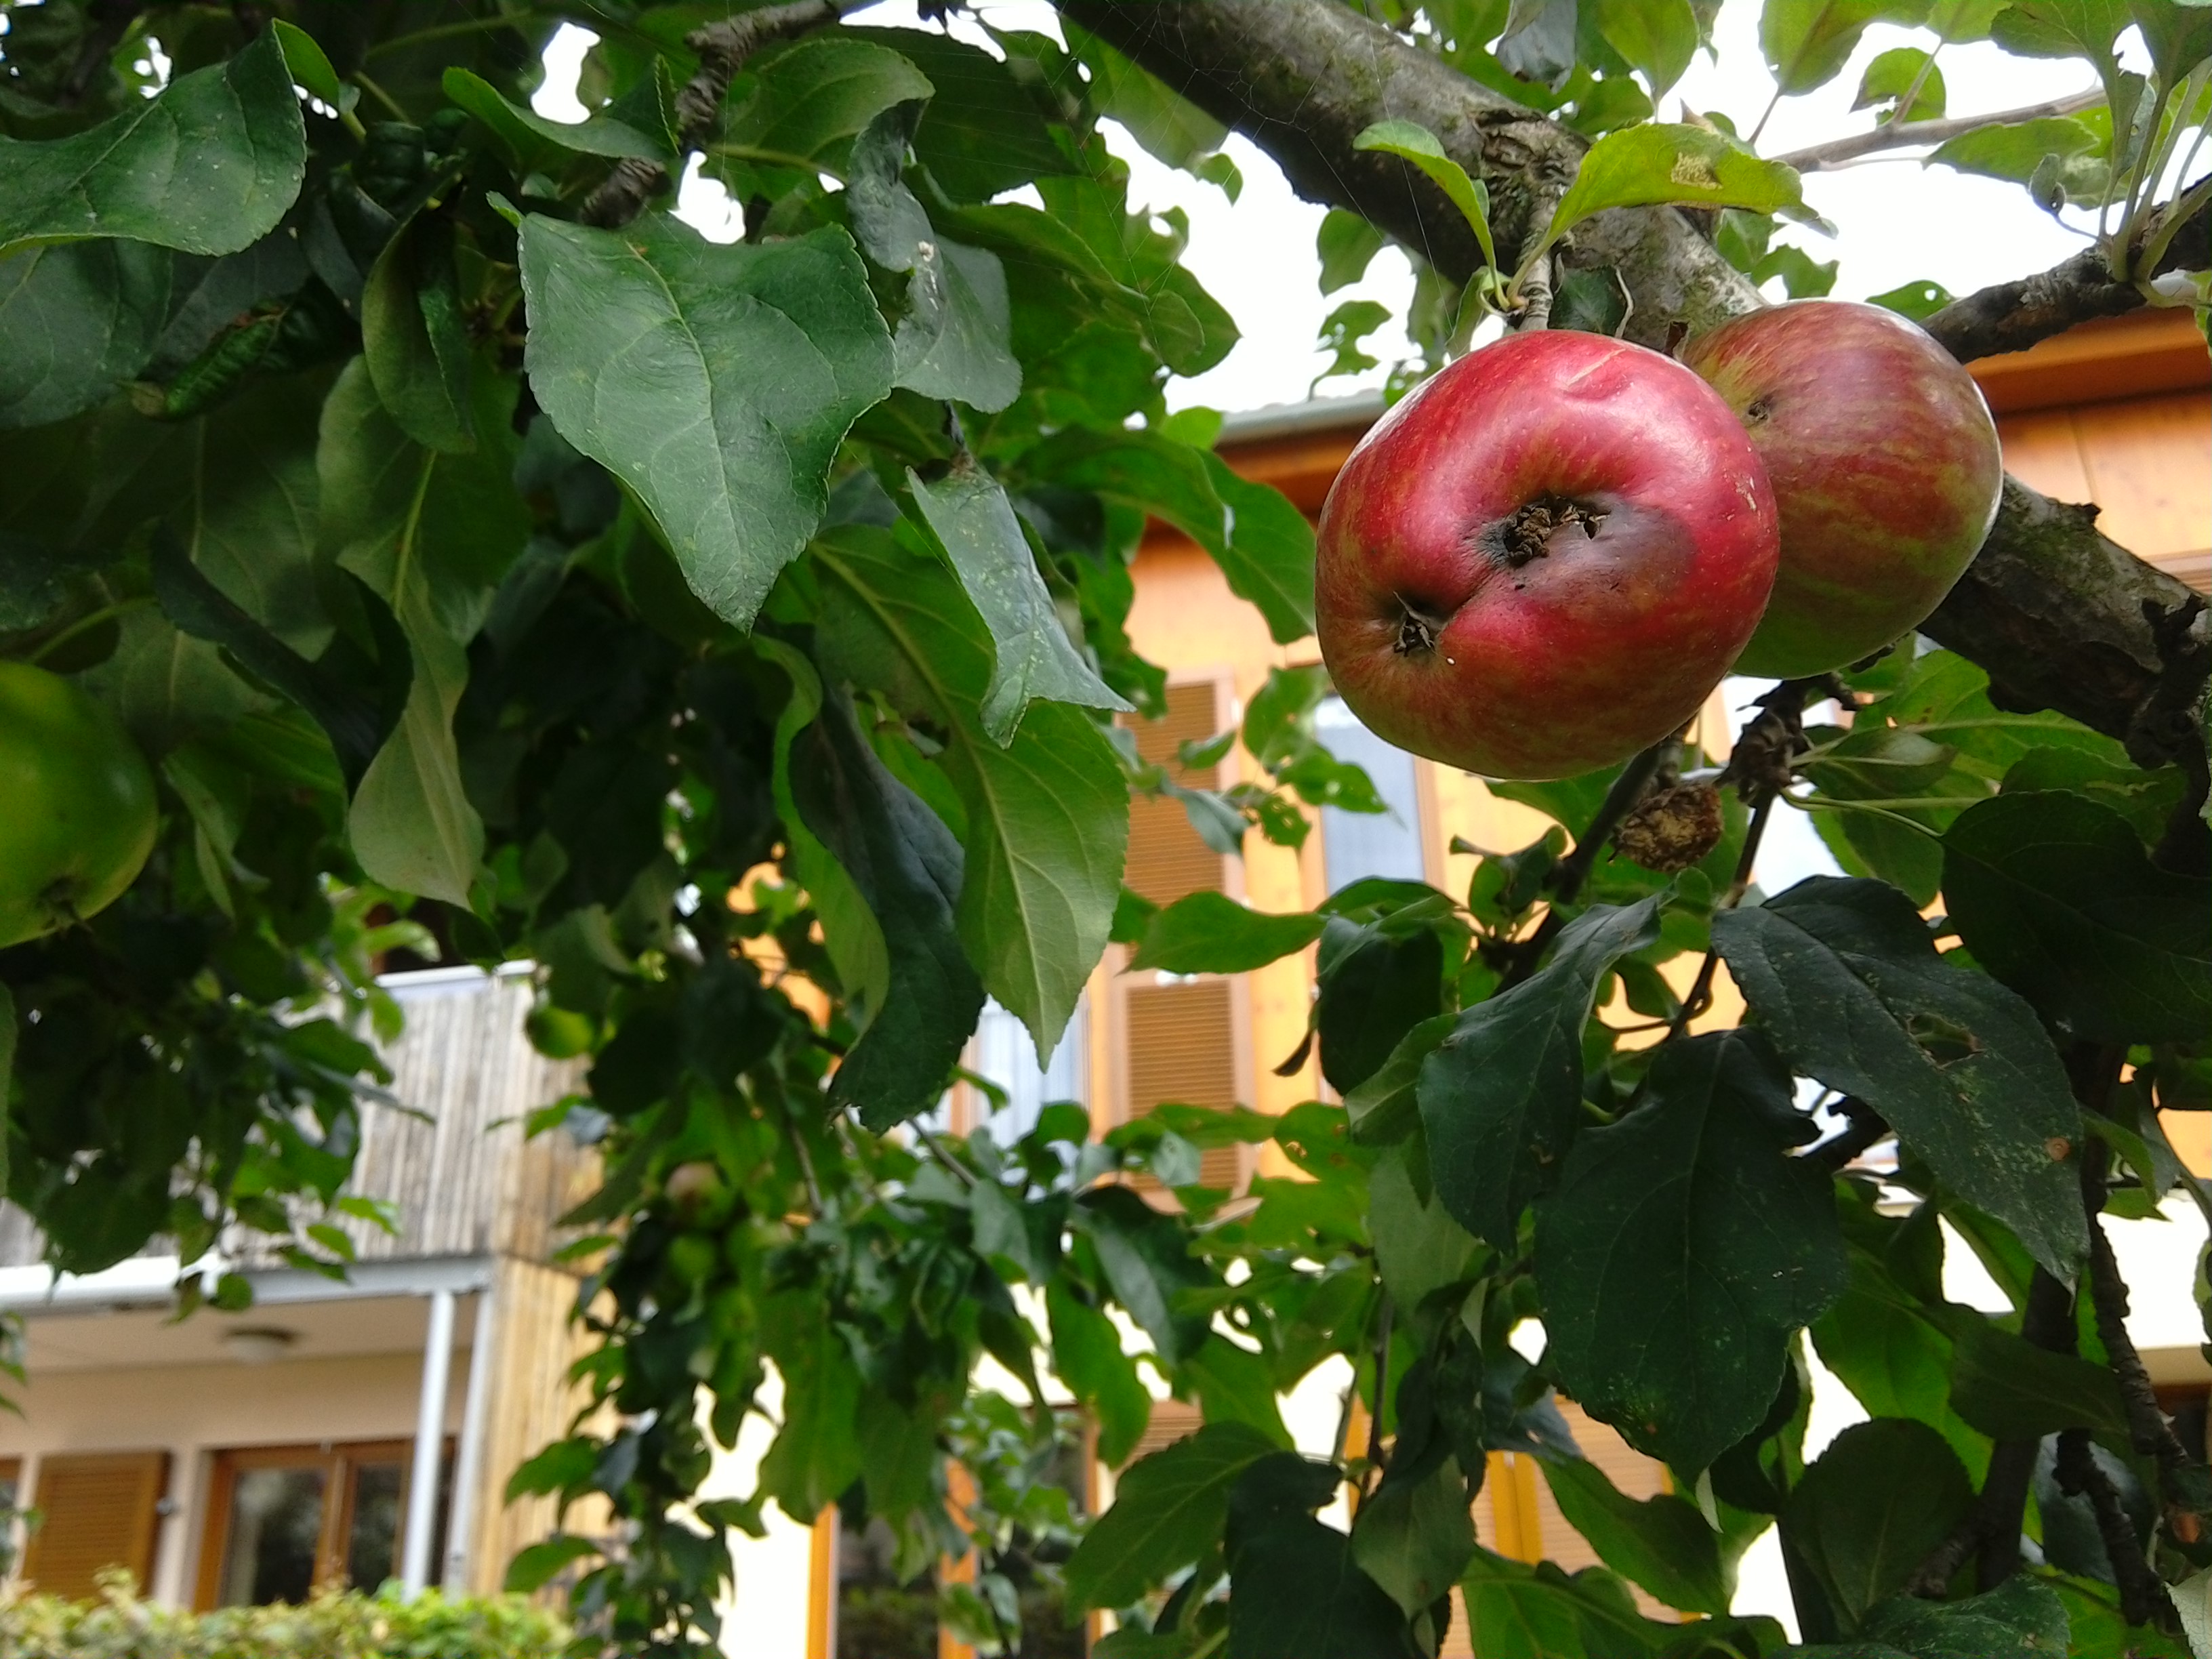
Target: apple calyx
<point x="1529" y="531"/>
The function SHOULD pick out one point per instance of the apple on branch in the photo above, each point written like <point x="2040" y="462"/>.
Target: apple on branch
<point x="1545" y="558"/>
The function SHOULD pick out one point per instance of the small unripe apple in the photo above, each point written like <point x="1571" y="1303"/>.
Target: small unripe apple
<point x="1544" y="558"/>
<point x="1885" y="466"/>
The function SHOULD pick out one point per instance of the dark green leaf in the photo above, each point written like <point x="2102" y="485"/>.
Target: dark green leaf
<point x="1384" y="1106"/>
<point x="1662" y="1543"/>
<point x="76" y="321"/>
<point x="2148" y="800"/>
<point x="1048" y="815"/>
<point x="2054" y="894"/>
<point x="1169" y="1509"/>
<point x="1501" y="1097"/>
<point x="1295" y="1589"/>
<point x="1871" y="1508"/>
<point x="2010" y="1389"/>
<point x="716" y="381"/>
<point x="2019" y="1617"/>
<point x="908" y="867"/>
<point x="527" y="135"/>
<point x="1032" y="656"/>
<point x="1086" y="1354"/>
<point x="1169" y="125"/>
<point x="1879" y="1340"/>
<point x="207" y="167"/>
<point x="817" y="1453"/>
<point x="803" y="107"/>
<point x="1683" y="1247"/>
<point x="1375" y="984"/>
<point x="1234" y="1385"/>
<point x="1212" y="933"/>
<point x="1414" y="1538"/>
<point x="1843" y="973"/>
<point x="983" y="134"/>
<point x="1417" y="1247"/>
<point x="537" y="1565"/>
<point x="415" y="340"/>
<point x="1149" y="1265"/>
<point x="1520" y="1611"/>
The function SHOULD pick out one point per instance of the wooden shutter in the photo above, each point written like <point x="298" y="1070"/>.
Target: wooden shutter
<point x="1182" y="1048"/>
<point x="1172" y="1419"/>
<point x="97" y="1509"/>
<point x="1167" y="860"/>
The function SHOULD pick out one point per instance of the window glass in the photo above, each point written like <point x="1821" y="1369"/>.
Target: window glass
<point x="373" y="1545"/>
<point x="276" y="1525"/>
<point x="878" y="1616"/>
<point x="1004" y="1053"/>
<point x="1357" y="845"/>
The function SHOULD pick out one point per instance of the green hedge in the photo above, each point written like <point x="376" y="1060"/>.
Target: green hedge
<point x="348" y="1627"/>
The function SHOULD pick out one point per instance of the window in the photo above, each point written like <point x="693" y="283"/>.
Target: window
<point x="1003" y="1052"/>
<point x="96" y="1510"/>
<point x="1357" y="845"/>
<point x="283" y="1520"/>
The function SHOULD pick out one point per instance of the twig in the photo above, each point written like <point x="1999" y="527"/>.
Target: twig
<point x="2149" y="1430"/>
<point x="1568" y="875"/>
<point x="2048" y="1322"/>
<point x="2142" y="1594"/>
<point x="1896" y="135"/>
<point x="930" y="1139"/>
<point x="1375" y="1458"/>
<point x="1701" y="989"/>
<point x="723" y="48"/>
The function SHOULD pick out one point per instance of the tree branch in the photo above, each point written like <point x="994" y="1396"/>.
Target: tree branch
<point x="2060" y="617"/>
<point x="1891" y="134"/>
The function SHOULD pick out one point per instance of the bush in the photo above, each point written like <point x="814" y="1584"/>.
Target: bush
<point x="350" y="1625"/>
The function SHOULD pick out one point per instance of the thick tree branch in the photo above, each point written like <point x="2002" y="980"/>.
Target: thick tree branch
<point x="2060" y="617"/>
<point x="1890" y="135"/>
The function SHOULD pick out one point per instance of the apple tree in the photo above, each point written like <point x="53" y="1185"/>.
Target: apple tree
<point x="485" y="563"/>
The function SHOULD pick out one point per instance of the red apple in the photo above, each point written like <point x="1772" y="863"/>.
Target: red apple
<point x="1884" y="465"/>
<point x="1544" y="558"/>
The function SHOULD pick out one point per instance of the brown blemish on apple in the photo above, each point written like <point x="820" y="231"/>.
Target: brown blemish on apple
<point x="1530" y="532"/>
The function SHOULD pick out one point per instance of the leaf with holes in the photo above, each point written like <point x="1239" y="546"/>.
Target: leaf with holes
<point x="1843" y="972"/>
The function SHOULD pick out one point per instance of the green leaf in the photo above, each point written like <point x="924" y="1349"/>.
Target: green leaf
<point x="1516" y="1611"/>
<point x="850" y="932"/>
<point x="538" y="1565"/>
<point x="207" y="167"/>
<point x="1843" y="973"/>
<point x="1169" y="1509"/>
<point x="431" y="534"/>
<point x="1376" y="982"/>
<point x="1897" y="72"/>
<point x="1918" y="300"/>
<point x="817" y="1453"/>
<point x="1167" y="125"/>
<point x="1047" y="815"/>
<point x="2018" y="1617"/>
<point x="804" y="106"/>
<point x="1502" y="1096"/>
<point x="526" y="135"/>
<point x="906" y="867"/>
<point x="1031" y="653"/>
<point x="1384" y="1106"/>
<point x="2054" y="894"/>
<point x="1234" y="1385"/>
<point x="7" y="1073"/>
<point x="1657" y="37"/>
<point x="1662" y="1543"/>
<point x="1347" y="245"/>
<point x="715" y="382"/>
<point x="1414" y="1538"/>
<point x="2011" y="1389"/>
<point x="983" y="134"/>
<point x="1212" y="933"/>
<point x="1881" y="1341"/>
<point x="953" y="341"/>
<point x="2015" y="151"/>
<point x="414" y="338"/>
<point x="1148" y="1264"/>
<point x="1808" y="42"/>
<point x="1296" y="1591"/>
<point x="76" y="322"/>
<point x="1263" y="543"/>
<point x="1411" y="141"/>
<point x="2148" y="800"/>
<point x="1871" y="1508"/>
<point x="1691" y="167"/>
<point x="1417" y="1247"/>
<point x="1683" y="1247"/>
<point x="1086" y="1354"/>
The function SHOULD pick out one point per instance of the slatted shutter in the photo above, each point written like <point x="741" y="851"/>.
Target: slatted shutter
<point x="1167" y="860"/>
<point x="1172" y="1420"/>
<point x="1179" y="1036"/>
<point x="98" y="1509"/>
